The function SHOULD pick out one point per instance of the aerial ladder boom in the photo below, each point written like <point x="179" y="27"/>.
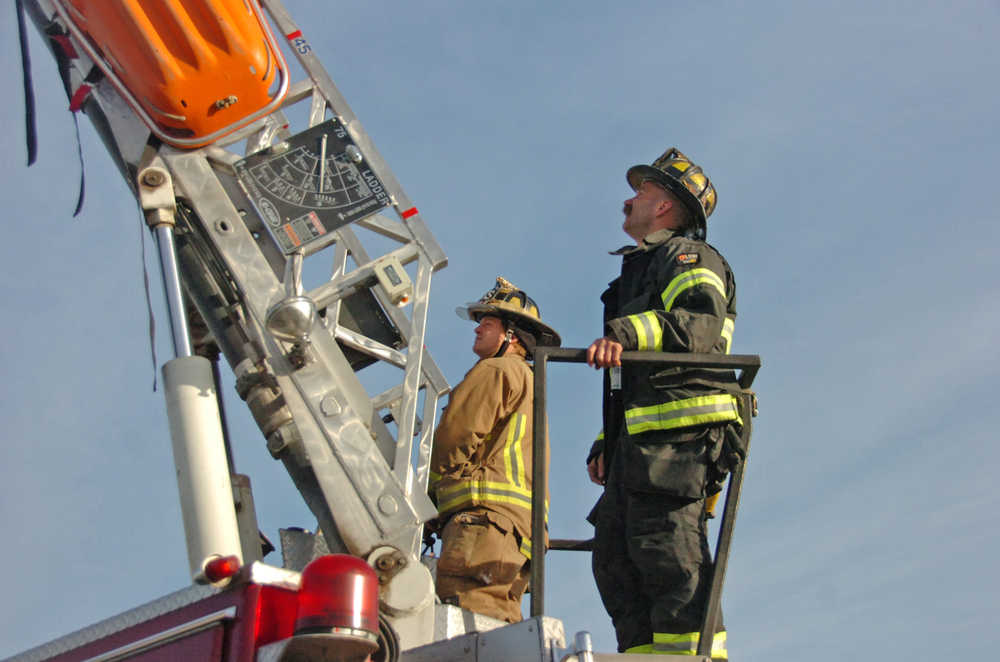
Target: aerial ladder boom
<point x="239" y="217"/>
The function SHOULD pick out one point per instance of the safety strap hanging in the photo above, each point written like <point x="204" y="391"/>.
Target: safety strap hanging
<point x="30" y="134"/>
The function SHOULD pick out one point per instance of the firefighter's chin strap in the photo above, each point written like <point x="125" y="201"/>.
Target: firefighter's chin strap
<point x="507" y="337"/>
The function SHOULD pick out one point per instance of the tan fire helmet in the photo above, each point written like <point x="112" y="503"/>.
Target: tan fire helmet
<point x="516" y="308"/>
<point x="680" y="176"/>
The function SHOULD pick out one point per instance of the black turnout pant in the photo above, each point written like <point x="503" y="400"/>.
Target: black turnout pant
<point x="651" y="561"/>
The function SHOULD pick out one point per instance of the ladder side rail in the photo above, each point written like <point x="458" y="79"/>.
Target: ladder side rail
<point x="429" y="422"/>
<point x="403" y="465"/>
<point x="717" y="574"/>
<point x="337" y="270"/>
<point x="539" y="479"/>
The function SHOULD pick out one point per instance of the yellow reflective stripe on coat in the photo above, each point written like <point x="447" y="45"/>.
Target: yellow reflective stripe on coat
<point x="682" y="413"/>
<point x="648" y="331"/>
<point x="513" y="454"/>
<point x="727" y="332"/>
<point x="433" y="479"/>
<point x="689" y="279"/>
<point x="686" y="643"/>
<point x="471" y="492"/>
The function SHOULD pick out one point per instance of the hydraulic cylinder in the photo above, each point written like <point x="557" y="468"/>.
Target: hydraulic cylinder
<point x="206" y="492"/>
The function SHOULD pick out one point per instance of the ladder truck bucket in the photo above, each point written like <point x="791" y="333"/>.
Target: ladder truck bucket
<point x="192" y="70"/>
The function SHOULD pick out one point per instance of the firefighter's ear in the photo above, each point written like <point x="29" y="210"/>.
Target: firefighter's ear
<point x="664" y="206"/>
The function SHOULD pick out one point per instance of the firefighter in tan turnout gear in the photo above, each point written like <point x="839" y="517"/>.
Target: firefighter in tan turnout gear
<point x="481" y="461"/>
<point x="666" y="442"/>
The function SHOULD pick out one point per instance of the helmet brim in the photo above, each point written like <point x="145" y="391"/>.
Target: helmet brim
<point x="544" y="334"/>
<point x="637" y="174"/>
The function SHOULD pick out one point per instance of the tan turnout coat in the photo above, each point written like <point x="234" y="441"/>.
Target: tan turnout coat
<point x="482" y="446"/>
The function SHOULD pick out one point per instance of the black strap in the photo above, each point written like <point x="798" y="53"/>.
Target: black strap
<point x="63" y="65"/>
<point x="30" y="134"/>
<point x="79" y="153"/>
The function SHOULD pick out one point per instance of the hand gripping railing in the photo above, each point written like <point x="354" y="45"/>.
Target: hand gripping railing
<point x="748" y="364"/>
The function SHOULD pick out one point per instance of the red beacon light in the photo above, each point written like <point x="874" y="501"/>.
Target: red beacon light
<point x="338" y="606"/>
<point x="220" y="568"/>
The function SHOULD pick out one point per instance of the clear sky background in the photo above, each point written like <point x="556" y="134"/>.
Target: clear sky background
<point x="854" y="148"/>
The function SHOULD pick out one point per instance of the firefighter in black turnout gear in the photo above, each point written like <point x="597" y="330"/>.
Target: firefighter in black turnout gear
<point x="663" y="447"/>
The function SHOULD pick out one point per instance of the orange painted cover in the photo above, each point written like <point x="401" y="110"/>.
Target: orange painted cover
<point x="198" y="68"/>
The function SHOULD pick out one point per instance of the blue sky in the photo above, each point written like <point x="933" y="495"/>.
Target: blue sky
<point x="853" y="146"/>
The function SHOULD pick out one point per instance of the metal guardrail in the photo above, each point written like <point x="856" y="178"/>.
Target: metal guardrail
<point x="747" y="364"/>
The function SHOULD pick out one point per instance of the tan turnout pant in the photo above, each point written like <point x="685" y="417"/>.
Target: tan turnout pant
<point x="481" y="567"/>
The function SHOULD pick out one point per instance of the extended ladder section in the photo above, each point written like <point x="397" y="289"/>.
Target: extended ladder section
<point x="242" y="225"/>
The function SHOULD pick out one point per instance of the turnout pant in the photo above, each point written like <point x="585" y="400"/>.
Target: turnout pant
<point x="652" y="566"/>
<point x="481" y="567"/>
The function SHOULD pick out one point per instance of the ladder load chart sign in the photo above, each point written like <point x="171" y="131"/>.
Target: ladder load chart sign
<point x="310" y="185"/>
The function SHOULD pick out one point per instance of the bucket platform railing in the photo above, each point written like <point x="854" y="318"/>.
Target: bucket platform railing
<point x="748" y="365"/>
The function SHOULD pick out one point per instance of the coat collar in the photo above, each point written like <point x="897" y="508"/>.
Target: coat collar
<point x="648" y="243"/>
